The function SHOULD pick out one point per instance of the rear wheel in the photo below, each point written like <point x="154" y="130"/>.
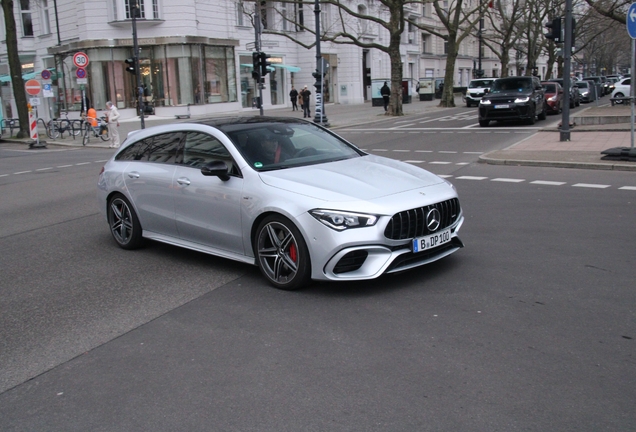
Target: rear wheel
<point x="544" y="113"/>
<point x="282" y="254"/>
<point x="123" y="222"/>
<point x="532" y="118"/>
<point x="619" y="95"/>
<point x="103" y="133"/>
<point x="52" y="130"/>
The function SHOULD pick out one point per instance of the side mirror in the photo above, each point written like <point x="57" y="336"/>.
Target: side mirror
<point x="486" y="91"/>
<point x="216" y="169"/>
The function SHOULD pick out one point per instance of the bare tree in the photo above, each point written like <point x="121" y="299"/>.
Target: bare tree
<point x="15" y="68"/>
<point x="615" y="10"/>
<point x="503" y="34"/>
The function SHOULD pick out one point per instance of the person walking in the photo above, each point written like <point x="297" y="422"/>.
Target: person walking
<point x="305" y="93"/>
<point x="385" y="91"/>
<point x="293" y="96"/>
<point x="113" y="123"/>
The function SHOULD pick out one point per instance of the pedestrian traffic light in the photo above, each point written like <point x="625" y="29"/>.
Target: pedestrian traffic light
<point x="554" y="28"/>
<point x="256" y="62"/>
<point x="264" y="63"/>
<point x="132" y="65"/>
<point x="573" y="30"/>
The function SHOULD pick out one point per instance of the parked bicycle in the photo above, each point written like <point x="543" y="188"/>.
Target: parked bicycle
<point x="57" y="127"/>
<point x="101" y="130"/>
<point x="9" y="123"/>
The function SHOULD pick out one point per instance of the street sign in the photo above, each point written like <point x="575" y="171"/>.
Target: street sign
<point x="33" y="87"/>
<point x="631" y="21"/>
<point x="80" y="73"/>
<point x="46" y="74"/>
<point x="80" y="60"/>
<point x="47" y="90"/>
<point x="82" y="80"/>
<point x="34" y="101"/>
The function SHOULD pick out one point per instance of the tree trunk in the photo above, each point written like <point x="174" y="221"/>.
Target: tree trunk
<point x="448" y="97"/>
<point x="15" y="69"/>
<point x="395" y="104"/>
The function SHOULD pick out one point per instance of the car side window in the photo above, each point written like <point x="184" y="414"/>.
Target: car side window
<point x="199" y="149"/>
<point x="158" y="149"/>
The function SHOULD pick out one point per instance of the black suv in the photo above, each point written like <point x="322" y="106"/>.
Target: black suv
<point x="513" y="98"/>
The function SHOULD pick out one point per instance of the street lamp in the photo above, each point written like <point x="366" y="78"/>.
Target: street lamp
<point x="321" y="116"/>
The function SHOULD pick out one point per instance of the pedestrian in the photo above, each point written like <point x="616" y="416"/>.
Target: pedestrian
<point x="113" y="122"/>
<point x="305" y="93"/>
<point x="385" y="91"/>
<point x="293" y="95"/>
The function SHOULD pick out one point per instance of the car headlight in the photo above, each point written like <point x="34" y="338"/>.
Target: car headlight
<point x="522" y="99"/>
<point x="584" y="93"/>
<point x="342" y="220"/>
<point x="552" y="99"/>
<point x="484" y="101"/>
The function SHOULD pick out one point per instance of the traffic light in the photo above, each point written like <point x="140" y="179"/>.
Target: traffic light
<point x="264" y="63"/>
<point x="555" y="30"/>
<point x="132" y="65"/>
<point x="573" y="30"/>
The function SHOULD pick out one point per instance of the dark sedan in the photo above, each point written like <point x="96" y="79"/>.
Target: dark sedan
<point x="513" y="98"/>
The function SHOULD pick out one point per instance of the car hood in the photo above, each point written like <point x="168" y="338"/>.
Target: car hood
<point x="363" y="178"/>
<point x="508" y="94"/>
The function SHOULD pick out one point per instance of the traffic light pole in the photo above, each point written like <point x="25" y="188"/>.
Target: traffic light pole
<point x="321" y="116"/>
<point x="257" y="46"/>
<point x="567" y="54"/>
<point x="140" y="98"/>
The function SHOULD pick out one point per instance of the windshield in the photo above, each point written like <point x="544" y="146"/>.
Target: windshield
<point x="270" y="146"/>
<point x="580" y="84"/>
<point x="479" y="83"/>
<point x="550" y="88"/>
<point x="511" y="85"/>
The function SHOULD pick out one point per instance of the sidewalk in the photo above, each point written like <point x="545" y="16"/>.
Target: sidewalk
<point x="597" y="128"/>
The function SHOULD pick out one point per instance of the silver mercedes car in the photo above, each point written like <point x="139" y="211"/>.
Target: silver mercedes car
<point x="284" y="194"/>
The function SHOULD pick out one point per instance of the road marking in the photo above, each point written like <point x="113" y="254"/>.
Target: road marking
<point x="414" y="161"/>
<point x="440" y="163"/>
<point x="628" y="187"/>
<point x="447" y="151"/>
<point x="547" y="183"/>
<point x="508" y="180"/>
<point x="587" y="185"/>
<point x="21" y="172"/>
<point x="63" y="166"/>
<point x="423" y="151"/>
<point x="478" y="153"/>
<point x="470" y="178"/>
<point x="83" y="163"/>
<point x="44" y="169"/>
<point x="462" y="163"/>
<point x="407" y="151"/>
<point x="444" y="175"/>
<point x="379" y="150"/>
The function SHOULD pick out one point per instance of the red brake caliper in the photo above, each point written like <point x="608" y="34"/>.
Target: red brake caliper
<point x="292" y="252"/>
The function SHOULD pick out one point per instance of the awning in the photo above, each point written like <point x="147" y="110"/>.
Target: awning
<point x="276" y="65"/>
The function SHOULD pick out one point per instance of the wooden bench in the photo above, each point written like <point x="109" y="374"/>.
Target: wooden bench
<point x="620" y="100"/>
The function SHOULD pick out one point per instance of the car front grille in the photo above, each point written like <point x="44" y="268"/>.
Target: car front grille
<point x="412" y="223"/>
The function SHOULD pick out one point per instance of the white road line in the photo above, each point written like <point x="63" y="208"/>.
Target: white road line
<point x="473" y="152"/>
<point x="63" y="166"/>
<point x="444" y="175"/>
<point x="471" y="178"/>
<point x="440" y="163"/>
<point x="21" y="172"/>
<point x="406" y="125"/>
<point x="44" y="169"/>
<point x="83" y="163"/>
<point x="508" y="180"/>
<point x="379" y="150"/>
<point x="3" y="175"/>
<point x="403" y="151"/>
<point x="588" y="185"/>
<point x="101" y="161"/>
<point x="446" y="151"/>
<point x="462" y="163"/>
<point x="423" y="151"/>
<point x="414" y="161"/>
<point x="628" y="187"/>
<point x="548" y="183"/>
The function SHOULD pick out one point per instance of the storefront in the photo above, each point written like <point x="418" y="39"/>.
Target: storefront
<point x="175" y="71"/>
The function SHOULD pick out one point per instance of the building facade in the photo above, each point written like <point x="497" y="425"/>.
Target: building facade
<point x="198" y="54"/>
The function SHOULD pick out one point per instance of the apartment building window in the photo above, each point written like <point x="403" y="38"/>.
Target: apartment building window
<point x="300" y="16"/>
<point x="25" y="14"/>
<point x="240" y="13"/>
<point x="426" y="44"/>
<point x="362" y="10"/>
<point x="445" y="47"/>
<point x="122" y="9"/>
<point x="45" y="17"/>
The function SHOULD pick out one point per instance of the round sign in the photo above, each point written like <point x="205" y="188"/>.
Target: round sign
<point x="46" y="74"/>
<point x="80" y="60"/>
<point x="80" y="73"/>
<point x="33" y="87"/>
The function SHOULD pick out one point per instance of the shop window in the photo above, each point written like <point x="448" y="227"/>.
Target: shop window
<point x="25" y="13"/>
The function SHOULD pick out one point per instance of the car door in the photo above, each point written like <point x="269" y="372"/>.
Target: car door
<point x="148" y="178"/>
<point x="208" y="209"/>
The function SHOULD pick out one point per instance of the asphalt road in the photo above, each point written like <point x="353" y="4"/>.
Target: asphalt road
<point x="530" y="327"/>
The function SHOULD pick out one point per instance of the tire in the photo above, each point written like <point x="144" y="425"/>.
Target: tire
<point x="619" y="95"/>
<point x="282" y="254"/>
<point x="544" y="113"/>
<point x="76" y="127"/>
<point x="87" y="134"/>
<point x="484" y="123"/>
<point x="468" y="103"/>
<point x="531" y="120"/>
<point x="124" y="223"/>
<point x="52" y="131"/>
<point x="103" y="134"/>
<point x="65" y="126"/>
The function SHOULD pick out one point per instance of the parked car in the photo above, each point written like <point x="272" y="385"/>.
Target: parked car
<point x="553" y="96"/>
<point x="598" y="85"/>
<point x="586" y="90"/>
<point x="284" y="194"/>
<point x="513" y="98"/>
<point x="622" y="89"/>
<point x="476" y="89"/>
<point x="611" y="84"/>
<point x="575" y="95"/>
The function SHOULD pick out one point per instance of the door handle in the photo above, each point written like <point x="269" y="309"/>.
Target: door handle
<point x="183" y="181"/>
<point x="133" y="174"/>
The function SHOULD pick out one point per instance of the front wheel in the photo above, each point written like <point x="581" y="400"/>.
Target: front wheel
<point x="484" y="123"/>
<point x="52" y="131"/>
<point x="123" y="222"/>
<point x="619" y="95"/>
<point x="103" y="133"/>
<point x="76" y="127"/>
<point x="87" y="132"/>
<point x="282" y="254"/>
<point x="544" y="113"/>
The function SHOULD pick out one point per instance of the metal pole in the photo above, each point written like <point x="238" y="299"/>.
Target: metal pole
<point x="567" y="54"/>
<point x="257" y="46"/>
<point x="631" y="91"/>
<point x="57" y="23"/>
<point x="320" y="116"/>
<point x="140" y="99"/>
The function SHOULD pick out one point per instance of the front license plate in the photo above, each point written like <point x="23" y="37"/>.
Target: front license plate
<point x="430" y="241"/>
<point x="501" y="106"/>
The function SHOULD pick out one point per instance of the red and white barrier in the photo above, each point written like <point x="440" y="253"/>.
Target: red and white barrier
<point x="33" y="126"/>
